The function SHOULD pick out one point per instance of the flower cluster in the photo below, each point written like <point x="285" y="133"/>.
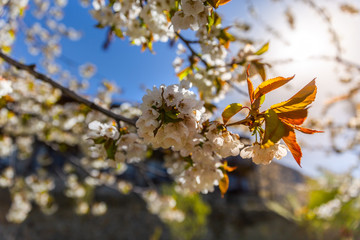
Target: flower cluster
<point x="142" y="24"/>
<point x="163" y="206"/>
<point x="171" y="117"/>
<point x="27" y="190"/>
<point x="119" y="145"/>
<point x="193" y="14"/>
<point x="262" y="155"/>
<point x="5" y="87"/>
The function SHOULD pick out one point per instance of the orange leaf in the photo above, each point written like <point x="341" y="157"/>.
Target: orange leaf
<point x="307" y="130"/>
<point x="296" y="117"/>
<point x="270" y="85"/>
<point x="228" y="168"/>
<point x="290" y="141"/>
<point x="217" y="3"/>
<point x="222" y="2"/>
<point x="224" y="184"/>
<point x="299" y="101"/>
<point x="250" y="85"/>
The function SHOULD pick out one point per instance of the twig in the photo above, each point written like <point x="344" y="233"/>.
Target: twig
<point x="65" y="91"/>
<point x="187" y="43"/>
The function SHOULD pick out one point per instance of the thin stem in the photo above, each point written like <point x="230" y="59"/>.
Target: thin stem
<point x="187" y="43"/>
<point x="66" y="91"/>
<point x="239" y="122"/>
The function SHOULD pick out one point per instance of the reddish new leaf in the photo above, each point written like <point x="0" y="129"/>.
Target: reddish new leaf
<point x="291" y="143"/>
<point x="250" y="85"/>
<point x="307" y="130"/>
<point x="223" y="2"/>
<point x="299" y="101"/>
<point x="217" y="3"/>
<point x="296" y="117"/>
<point x="224" y="184"/>
<point x="228" y="168"/>
<point x="269" y="85"/>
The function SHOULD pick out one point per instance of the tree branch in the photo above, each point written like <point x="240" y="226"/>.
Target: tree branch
<point x="66" y="91"/>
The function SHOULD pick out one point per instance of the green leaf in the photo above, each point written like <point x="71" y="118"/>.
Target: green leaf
<point x="118" y="32"/>
<point x="110" y="147"/>
<point x="320" y="197"/>
<point x="230" y="111"/>
<point x="274" y="129"/>
<point x="263" y="49"/>
<point x="99" y="26"/>
<point x="183" y="73"/>
<point x="99" y="140"/>
<point x="262" y="99"/>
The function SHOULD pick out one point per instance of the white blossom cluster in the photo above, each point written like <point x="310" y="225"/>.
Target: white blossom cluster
<point x="203" y="173"/>
<point x="31" y="189"/>
<point x="329" y="209"/>
<point x="261" y="155"/>
<point x="19" y="209"/>
<point x="7" y="35"/>
<point x="213" y="52"/>
<point x="129" y="148"/>
<point x="5" y="87"/>
<point x="171" y="118"/>
<point x="139" y="23"/>
<point x="7" y="177"/>
<point x="211" y="82"/>
<point x="163" y="206"/>
<point x="193" y="14"/>
<point x="7" y="147"/>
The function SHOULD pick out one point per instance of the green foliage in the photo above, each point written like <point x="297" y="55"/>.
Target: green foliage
<point x="319" y="197"/>
<point x="321" y="218"/>
<point x="230" y="111"/>
<point x="196" y="212"/>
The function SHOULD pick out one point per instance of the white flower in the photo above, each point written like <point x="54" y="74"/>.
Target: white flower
<point x="262" y="155"/>
<point x="98" y="209"/>
<point x="223" y="142"/>
<point x="328" y="209"/>
<point x="192" y="7"/>
<point x="102" y="129"/>
<point x="5" y="87"/>
<point x="98" y="4"/>
<point x="171" y="117"/>
<point x="130" y="148"/>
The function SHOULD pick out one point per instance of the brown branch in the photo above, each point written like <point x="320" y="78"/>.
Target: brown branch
<point x="66" y="91"/>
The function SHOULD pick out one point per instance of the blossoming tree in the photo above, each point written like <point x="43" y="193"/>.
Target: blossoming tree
<point x="176" y="120"/>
